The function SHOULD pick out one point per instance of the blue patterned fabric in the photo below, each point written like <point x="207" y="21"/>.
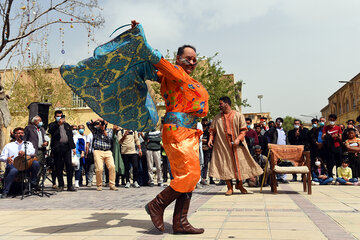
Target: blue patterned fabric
<point x="181" y="119"/>
<point x="112" y="82"/>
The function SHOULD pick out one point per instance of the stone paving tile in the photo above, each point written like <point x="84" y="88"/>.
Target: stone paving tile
<point x="120" y="215"/>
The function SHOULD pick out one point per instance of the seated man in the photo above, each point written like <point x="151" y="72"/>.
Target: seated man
<point x="10" y="152"/>
<point x="261" y="160"/>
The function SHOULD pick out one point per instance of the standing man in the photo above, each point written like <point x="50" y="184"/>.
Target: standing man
<point x="278" y="135"/>
<point x="153" y="155"/>
<point x="231" y="157"/>
<point x="89" y="159"/>
<point x="10" y="152"/>
<point x="62" y="143"/>
<point x="332" y="136"/>
<point x="298" y="136"/>
<point x="251" y="136"/>
<point x="129" y="140"/>
<point x="102" y="151"/>
<point x="35" y="133"/>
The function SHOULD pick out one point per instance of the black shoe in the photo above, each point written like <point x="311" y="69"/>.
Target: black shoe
<point x="60" y="189"/>
<point x="221" y="182"/>
<point x="283" y="181"/>
<point x="71" y="189"/>
<point x="117" y="185"/>
<point x="211" y="181"/>
<point x="293" y="180"/>
<point x="151" y="184"/>
<point x="35" y="187"/>
<point x="165" y="180"/>
<point x="4" y="195"/>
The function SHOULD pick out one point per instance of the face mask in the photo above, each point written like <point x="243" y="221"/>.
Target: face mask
<point x="322" y="124"/>
<point x="74" y="132"/>
<point x="248" y="126"/>
<point x="296" y="126"/>
<point x="58" y="118"/>
<point x="40" y="124"/>
<point x="314" y="125"/>
<point x="81" y="131"/>
<point x="332" y="123"/>
<point x="317" y="163"/>
<point x="280" y="124"/>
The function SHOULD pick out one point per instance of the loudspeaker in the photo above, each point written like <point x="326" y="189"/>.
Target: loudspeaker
<point x="41" y="109"/>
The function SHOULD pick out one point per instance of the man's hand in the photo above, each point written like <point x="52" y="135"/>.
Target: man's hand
<point x="346" y="179"/>
<point x="10" y="160"/>
<point x="61" y="121"/>
<point x="297" y="133"/>
<point x="21" y="153"/>
<point x="126" y="133"/>
<point x="45" y="144"/>
<point x="134" y="23"/>
<point x="140" y="153"/>
<point x="236" y="142"/>
<point x="210" y="143"/>
<point x="74" y="151"/>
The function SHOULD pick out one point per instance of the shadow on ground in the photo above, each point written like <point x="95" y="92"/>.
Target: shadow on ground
<point x="99" y="221"/>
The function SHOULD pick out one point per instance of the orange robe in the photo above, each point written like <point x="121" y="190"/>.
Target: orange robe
<point x="182" y="94"/>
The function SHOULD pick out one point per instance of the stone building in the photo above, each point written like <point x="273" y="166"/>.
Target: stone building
<point x="345" y="101"/>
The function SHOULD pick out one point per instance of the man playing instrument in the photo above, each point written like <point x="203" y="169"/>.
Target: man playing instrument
<point x="10" y="153"/>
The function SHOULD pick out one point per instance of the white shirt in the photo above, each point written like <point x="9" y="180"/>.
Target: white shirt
<point x="12" y="150"/>
<point x="281" y="136"/>
<point x="89" y="139"/>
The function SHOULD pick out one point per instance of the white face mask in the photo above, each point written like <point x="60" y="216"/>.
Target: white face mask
<point x="296" y="126"/>
<point x="74" y="132"/>
<point x="317" y="163"/>
<point x="332" y="123"/>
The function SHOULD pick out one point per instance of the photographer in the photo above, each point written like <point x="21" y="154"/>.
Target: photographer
<point x="102" y="151"/>
<point x="62" y="144"/>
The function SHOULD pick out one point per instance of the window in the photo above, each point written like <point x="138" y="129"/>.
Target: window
<point x="77" y="102"/>
<point x="347" y="107"/>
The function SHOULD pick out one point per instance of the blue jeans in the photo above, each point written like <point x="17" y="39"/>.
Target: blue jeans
<point x="323" y="181"/>
<point x="11" y="173"/>
<point x="343" y="181"/>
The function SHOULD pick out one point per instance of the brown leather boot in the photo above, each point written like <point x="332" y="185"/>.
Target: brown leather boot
<point x="239" y="185"/>
<point x="156" y="207"/>
<point x="180" y="222"/>
<point x="230" y="188"/>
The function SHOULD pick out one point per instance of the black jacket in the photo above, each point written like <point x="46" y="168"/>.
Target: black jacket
<point x="54" y="130"/>
<point x="273" y="135"/>
<point x="302" y="139"/>
<point x="32" y="136"/>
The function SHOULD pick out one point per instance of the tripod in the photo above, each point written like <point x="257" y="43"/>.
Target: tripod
<point x="45" y="168"/>
<point x="27" y="191"/>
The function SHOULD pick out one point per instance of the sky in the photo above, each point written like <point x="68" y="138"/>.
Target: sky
<point x="291" y="52"/>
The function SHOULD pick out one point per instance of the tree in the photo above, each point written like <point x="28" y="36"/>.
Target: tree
<point x="288" y="123"/>
<point x="39" y="83"/>
<point x="210" y="73"/>
<point x="21" y="22"/>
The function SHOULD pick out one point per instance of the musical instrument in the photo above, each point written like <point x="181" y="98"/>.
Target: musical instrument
<point x="21" y="164"/>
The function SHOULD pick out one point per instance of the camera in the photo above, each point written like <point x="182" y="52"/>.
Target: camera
<point x="63" y="116"/>
<point x="131" y="133"/>
<point x="102" y="123"/>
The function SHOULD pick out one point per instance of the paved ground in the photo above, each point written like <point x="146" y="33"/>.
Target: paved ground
<point x="332" y="212"/>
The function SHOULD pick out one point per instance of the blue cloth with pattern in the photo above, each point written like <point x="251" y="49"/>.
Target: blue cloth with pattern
<point x="112" y="82"/>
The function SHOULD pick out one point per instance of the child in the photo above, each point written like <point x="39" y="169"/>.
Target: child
<point x="319" y="174"/>
<point x="344" y="174"/>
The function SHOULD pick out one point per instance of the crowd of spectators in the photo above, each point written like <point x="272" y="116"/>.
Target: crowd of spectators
<point x="120" y="156"/>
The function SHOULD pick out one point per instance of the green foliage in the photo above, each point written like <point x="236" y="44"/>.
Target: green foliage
<point x="288" y="123"/>
<point x="210" y="73"/>
<point x="38" y="83"/>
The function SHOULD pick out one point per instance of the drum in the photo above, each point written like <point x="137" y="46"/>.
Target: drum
<point x="21" y="165"/>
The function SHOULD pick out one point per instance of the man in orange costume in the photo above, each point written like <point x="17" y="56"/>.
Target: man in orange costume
<point x="185" y="100"/>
